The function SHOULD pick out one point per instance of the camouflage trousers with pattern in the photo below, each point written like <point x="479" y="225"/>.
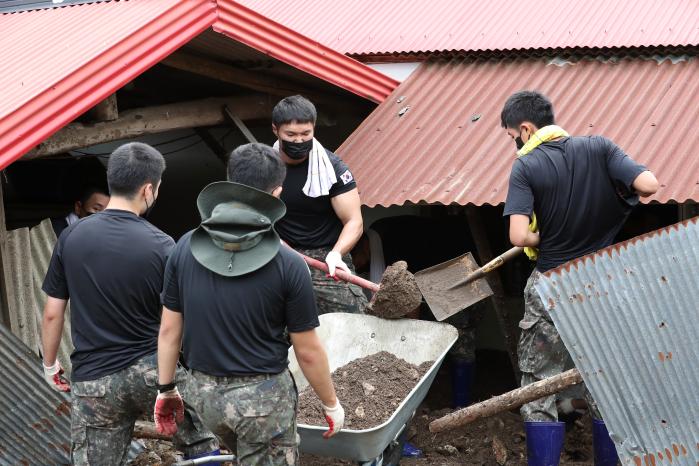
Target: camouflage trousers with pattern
<point x="255" y="416"/>
<point x="466" y="321"/>
<point x="331" y="295"/>
<point x="105" y="410"/>
<point x="542" y="354"/>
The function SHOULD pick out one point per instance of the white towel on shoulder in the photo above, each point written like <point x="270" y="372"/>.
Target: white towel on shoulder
<point x="321" y="174"/>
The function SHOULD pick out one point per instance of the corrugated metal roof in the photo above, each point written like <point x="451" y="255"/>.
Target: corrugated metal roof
<point x="628" y="316"/>
<point x="57" y="63"/>
<point x="261" y="33"/>
<point x="365" y="27"/>
<point x="448" y="146"/>
<point x="34" y="419"/>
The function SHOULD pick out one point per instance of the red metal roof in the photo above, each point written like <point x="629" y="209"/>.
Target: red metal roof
<point x="59" y="62"/>
<point x="448" y="147"/>
<point x="368" y="27"/>
<point x="282" y="43"/>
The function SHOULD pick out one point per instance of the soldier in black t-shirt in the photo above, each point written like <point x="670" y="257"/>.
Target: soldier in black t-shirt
<point x="323" y="218"/>
<point x="110" y="265"/>
<point x="232" y="292"/>
<point x="568" y="196"/>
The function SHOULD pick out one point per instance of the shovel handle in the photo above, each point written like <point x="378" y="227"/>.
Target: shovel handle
<point x="341" y="274"/>
<point x="490" y="266"/>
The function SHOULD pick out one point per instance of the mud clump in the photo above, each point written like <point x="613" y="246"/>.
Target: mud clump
<point x="370" y="390"/>
<point x="398" y="293"/>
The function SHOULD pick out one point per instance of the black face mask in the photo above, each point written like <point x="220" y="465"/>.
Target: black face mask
<point x="297" y="150"/>
<point x="518" y="142"/>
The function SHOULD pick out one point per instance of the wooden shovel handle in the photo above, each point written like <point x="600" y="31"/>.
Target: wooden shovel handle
<point x="341" y="274"/>
<point x="494" y="264"/>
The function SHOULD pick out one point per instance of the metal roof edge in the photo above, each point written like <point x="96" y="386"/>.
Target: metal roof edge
<point x="90" y="84"/>
<point x="274" y="39"/>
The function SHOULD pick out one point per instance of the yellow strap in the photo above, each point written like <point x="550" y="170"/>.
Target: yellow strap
<point x="545" y="134"/>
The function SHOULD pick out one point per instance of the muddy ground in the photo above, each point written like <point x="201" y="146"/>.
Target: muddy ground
<point x="496" y="441"/>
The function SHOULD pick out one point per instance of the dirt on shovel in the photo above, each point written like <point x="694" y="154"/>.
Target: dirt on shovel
<point x="398" y="294"/>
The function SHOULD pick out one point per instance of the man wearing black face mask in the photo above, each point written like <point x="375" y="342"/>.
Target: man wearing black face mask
<point x="110" y="265"/>
<point x="323" y="218"/>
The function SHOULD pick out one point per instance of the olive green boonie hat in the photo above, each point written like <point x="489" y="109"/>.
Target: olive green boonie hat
<point x="236" y="235"/>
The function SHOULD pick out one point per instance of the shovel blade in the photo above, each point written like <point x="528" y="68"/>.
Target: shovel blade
<point x="436" y="281"/>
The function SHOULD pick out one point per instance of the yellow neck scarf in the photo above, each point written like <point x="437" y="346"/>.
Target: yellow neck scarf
<point x="545" y="134"/>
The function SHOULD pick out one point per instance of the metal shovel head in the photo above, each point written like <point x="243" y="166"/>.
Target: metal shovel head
<point x="434" y="285"/>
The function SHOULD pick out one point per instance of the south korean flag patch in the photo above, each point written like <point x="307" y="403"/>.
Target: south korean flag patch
<point x="347" y="177"/>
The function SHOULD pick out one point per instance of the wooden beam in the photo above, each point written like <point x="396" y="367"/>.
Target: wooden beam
<point x="106" y="110"/>
<point x="485" y="253"/>
<point x="152" y="120"/>
<point x="507" y="401"/>
<point x="255" y="80"/>
<point x="240" y="125"/>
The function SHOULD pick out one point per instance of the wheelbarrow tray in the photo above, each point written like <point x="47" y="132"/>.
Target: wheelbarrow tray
<point x="347" y="337"/>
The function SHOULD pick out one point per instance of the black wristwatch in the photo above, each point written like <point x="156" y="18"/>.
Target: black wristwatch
<point x="166" y="387"/>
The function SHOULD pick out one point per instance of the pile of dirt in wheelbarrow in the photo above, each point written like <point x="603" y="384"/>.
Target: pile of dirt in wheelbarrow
<point x="370" y="389"/>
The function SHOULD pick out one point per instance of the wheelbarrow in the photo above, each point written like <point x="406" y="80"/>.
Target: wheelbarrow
<point x="351" y="336"/>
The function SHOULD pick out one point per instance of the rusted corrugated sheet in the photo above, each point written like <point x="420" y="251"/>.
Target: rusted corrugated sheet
<point x="364" y="27"/>
<point x="278" y="41"/>
<point x="628" y="316"/>
<point x="34" y="419"/>
<point x="448" y="146"/>
<point x="28" y="256"/>
<point x="59" y="62"/>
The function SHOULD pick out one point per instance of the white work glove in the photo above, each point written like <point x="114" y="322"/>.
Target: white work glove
<point x="54" y="376"/>
<point x="335" y="417"/>
<point x="334" y="261"/>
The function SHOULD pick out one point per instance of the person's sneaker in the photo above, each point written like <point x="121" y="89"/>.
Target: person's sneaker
<point x="411" y="451"/>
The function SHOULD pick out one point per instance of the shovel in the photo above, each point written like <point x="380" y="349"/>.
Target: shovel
<point x="394" y="297"/>
<point x="456" y="284"/>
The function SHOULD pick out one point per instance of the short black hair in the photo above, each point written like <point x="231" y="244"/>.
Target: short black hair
<point x="133" y="165"/>
<point x="88" y="191"/>
<point x="527" y="106"/>
<point x="256" y="165"/>
<point x="295" y="108"/>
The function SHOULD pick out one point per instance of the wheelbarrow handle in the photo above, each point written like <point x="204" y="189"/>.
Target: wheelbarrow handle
<point x="341" y="274"/>
<point x="489" y="267"/>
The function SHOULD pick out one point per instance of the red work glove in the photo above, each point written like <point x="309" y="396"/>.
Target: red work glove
<point x="335" y="418"/>
<point x="168" y="412"/>
<point x="54" y="376"/>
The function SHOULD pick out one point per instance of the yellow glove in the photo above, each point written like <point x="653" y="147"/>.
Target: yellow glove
<point x="532" y="253"/>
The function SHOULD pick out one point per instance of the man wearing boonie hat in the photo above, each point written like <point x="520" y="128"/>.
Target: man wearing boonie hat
<point x="231" y="291"/>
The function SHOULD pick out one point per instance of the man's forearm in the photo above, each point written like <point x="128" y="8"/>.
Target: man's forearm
<point x="168" y="354"/>
<point x="52" y="328"/>
<point x="51" y="332"/>
<point x="351" y="232"/>
<point x="316" y="370"/>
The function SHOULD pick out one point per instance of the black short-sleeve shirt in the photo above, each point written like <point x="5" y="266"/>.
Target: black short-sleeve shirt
<point x="581" y="191"/>
<point x="311" y="222"/>
<point x="110" y="265"/>
<point x="236" y="325"/>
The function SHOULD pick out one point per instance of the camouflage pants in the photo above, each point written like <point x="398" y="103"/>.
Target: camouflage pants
<point x="104" y="412"/>
<point x="331" y="295"/>
<point x="542" y="354"/>
<point x="255" y="417"/>
<point x="466" y="321"/>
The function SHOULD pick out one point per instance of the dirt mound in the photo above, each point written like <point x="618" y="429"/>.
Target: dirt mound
<point x="398" y="293"/>
<point x="370" y="389"/>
